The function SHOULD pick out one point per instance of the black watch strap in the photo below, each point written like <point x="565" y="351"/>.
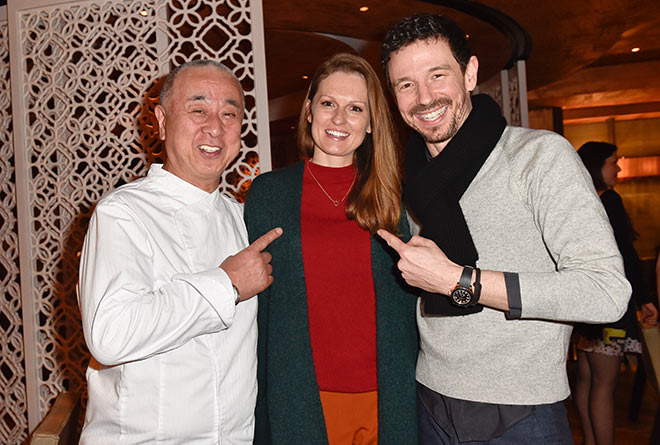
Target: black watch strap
<point x="466" y="277"/>
<point x="477" y="286"/>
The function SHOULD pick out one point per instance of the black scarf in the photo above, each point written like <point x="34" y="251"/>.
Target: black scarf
<point x="433" y="187"/>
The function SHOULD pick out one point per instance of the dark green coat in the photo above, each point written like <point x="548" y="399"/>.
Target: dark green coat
<point x="288" y="405"/>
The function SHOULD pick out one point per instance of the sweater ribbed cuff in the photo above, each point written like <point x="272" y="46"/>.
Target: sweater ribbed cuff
<point x="513" y="294"/>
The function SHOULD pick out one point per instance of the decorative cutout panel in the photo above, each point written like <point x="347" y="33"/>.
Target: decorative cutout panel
<point x="90" y="79"/>
<point x="492" y="87"/>
<point x="514" y="97"/>
<point x="509" y="89"/>
<point x="13" y="407"/>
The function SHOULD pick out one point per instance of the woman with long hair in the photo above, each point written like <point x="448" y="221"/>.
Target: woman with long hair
<point x="337" y="337"/>
<point x="601" y="347"/>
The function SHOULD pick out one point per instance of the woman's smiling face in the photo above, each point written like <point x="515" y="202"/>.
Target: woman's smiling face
<point x="339" y="117"/>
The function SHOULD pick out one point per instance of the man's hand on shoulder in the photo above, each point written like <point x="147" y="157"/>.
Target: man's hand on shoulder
<point x="250" y="270"/>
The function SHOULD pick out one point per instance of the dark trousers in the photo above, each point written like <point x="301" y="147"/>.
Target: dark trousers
<point x="547" y="425"/>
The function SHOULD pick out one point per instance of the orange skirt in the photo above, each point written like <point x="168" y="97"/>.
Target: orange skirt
<point x="351" y="418"/>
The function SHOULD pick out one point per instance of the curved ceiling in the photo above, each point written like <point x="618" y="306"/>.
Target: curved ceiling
<point x="580" y="57"/>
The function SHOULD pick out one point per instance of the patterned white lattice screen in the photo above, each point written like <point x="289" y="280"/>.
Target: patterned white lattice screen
<point x="509" y="89"/>
<point x="85" y="78"/>
<point x="13" y="405"/>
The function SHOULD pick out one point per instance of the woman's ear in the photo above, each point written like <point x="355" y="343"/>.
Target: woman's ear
<point x="308" y="110"/>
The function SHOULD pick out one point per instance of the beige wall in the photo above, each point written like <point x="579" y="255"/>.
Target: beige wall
<point x="581" y="133"/>
<point x="640" y="137"/>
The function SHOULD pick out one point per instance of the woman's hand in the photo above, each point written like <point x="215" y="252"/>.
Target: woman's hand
<point x="649" y="314"/>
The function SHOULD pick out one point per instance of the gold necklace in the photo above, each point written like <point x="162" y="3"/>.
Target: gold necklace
<point x="334" y="201"/>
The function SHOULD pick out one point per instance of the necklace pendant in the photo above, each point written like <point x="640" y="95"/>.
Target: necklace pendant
<point x="334" y="201"/>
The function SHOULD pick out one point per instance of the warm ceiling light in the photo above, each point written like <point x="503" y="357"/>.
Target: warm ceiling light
<point x="364" y="8"/>
<point x="144" y="13"/>
<point x="467" y="36"/>
<point x="305" y="76"/>
<point x="635" y="49"/>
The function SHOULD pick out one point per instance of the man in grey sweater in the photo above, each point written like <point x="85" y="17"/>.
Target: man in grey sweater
<point x="514" y="246"/>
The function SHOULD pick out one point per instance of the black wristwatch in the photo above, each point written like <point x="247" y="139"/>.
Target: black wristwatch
<point x="463" y="295"/>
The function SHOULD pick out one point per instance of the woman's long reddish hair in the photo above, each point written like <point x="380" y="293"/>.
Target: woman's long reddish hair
<point x="375" y="200"/>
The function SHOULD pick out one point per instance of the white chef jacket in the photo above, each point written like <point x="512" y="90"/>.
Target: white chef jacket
<point x="174" y="359"/>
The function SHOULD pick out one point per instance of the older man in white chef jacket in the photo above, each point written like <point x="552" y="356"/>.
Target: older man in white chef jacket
<point x="167" y="280"/>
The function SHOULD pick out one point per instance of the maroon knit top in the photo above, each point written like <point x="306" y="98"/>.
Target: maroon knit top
<point x="340" y="290"/>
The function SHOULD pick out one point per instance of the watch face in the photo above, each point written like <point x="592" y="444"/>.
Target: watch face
<point x="461" y="296"/>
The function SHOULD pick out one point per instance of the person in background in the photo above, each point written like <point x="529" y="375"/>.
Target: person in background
<point x="166" y="280"/>
<point x="337" y="336"/>
<point x="511" y="201"/>
<point x="601" y="346"/>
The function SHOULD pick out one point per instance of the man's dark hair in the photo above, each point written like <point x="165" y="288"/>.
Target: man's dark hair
<point x="171" y="77"/>
<point x="424" y="26"/>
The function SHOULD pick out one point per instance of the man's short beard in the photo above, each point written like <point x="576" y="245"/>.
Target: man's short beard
<point x="453" y="126"/>
<point x="450" y="133"/>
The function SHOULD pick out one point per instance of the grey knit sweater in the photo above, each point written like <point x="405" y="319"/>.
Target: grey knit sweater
<point x="531" y="209"/>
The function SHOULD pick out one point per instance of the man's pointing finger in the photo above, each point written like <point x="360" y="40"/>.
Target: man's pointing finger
<point x="392" y="240"/>
<point x="264" y="240"/>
